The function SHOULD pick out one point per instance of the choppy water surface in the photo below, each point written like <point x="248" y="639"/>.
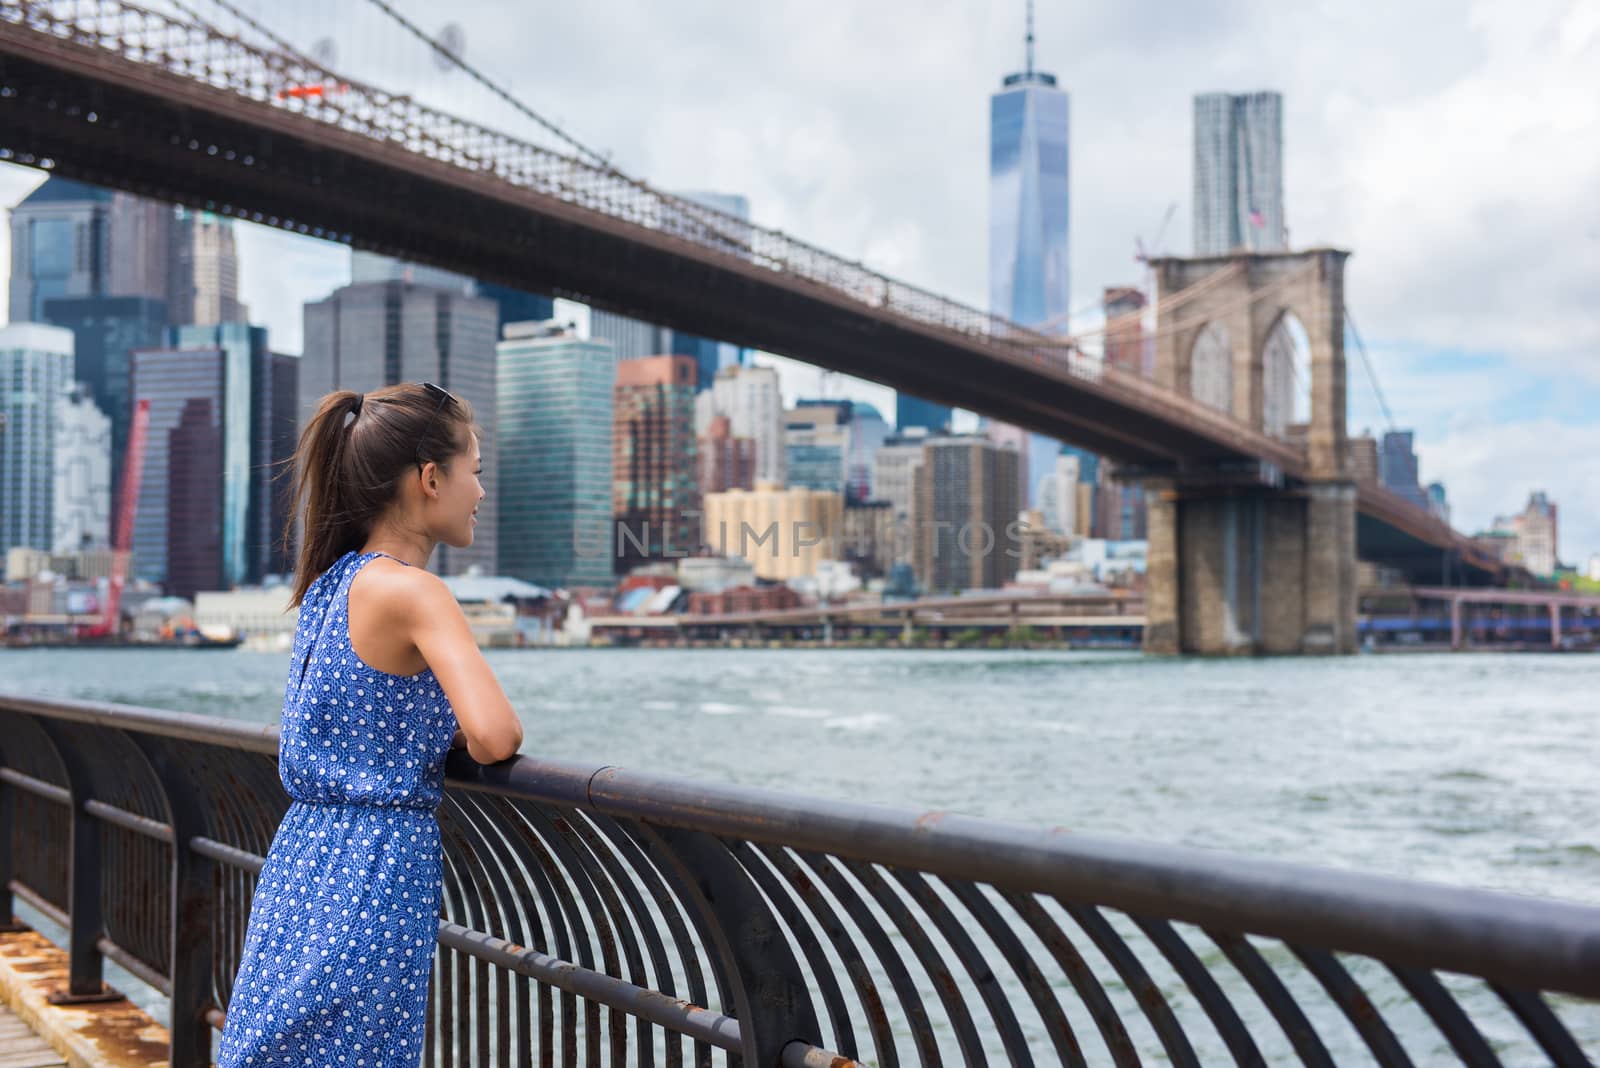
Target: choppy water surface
<point x="1478" y="770"/>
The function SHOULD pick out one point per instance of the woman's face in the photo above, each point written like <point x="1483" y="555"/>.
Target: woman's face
<point x="455" y="510"/>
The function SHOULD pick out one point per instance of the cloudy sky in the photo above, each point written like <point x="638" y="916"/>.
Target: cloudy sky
<point x="1453" y="147"/>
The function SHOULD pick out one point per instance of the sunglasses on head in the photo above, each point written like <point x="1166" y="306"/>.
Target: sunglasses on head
<point x="444" y="398"/>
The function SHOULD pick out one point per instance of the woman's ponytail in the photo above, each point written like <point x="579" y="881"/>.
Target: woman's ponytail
<point x="348" y="463"/>
<point x="321" y="484"/>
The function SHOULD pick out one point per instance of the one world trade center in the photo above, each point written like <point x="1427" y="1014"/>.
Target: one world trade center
<point x="1029" y="283"/>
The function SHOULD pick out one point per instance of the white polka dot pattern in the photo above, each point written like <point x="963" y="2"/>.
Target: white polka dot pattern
<point x="342" y="926"/>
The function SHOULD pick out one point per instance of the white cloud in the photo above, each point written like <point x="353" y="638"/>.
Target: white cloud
<point x="1473" y="208"/>
<point x="1486" y="467"/>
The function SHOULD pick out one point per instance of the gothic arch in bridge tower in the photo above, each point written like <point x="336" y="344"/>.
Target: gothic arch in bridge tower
<point x="1285" y="376"/>
<point x="1211" y="368"/>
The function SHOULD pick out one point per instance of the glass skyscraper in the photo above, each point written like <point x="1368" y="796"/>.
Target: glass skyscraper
<point x="1029" y="281"/>
<point x="1029" y="252"/>
<point x="36" y="370"/>
<point x="243" y="350"/>
<point x="555" y="418"/>
<point x="1238" y="173"/>
<point x="912" y="411"/>
<point x="182" y="535"/>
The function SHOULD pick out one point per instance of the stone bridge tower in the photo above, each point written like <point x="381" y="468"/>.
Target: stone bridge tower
<point x="1255" y="561"/>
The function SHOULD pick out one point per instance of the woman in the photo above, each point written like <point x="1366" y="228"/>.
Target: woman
<point x="385" y="679"/>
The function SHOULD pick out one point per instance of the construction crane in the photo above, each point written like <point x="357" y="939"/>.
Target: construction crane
<point x="122" y="547"/>
<point x="1144" y="255"/>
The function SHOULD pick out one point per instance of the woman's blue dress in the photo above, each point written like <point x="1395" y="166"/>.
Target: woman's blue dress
<point x="341" y="936"/>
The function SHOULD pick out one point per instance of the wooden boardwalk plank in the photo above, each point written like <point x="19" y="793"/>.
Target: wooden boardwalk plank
<point x="21" y="1048"/>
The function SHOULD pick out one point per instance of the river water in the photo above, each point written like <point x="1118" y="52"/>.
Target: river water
<point x="1471" y="769"/>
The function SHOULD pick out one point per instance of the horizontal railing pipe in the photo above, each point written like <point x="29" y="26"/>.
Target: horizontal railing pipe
<point x="794" y="930"/>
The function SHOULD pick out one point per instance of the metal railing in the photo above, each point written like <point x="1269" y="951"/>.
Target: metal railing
<point x="597" y="915"/>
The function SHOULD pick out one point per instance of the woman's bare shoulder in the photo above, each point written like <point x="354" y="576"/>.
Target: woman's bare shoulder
<point x="393" y="587"/>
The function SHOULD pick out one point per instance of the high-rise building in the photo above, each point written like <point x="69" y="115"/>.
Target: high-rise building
<point x="258" y="437"/>
<point x="868" y="432"/>
<point x="555" y="418"/>
<point x="204" y="286"/>
<point x="106" y="332"/>
<point x="1438" y="500"/>
<point x="1397" y="467"/>
<point x="1021" y="442"/>
<point x="784" y="532"/>
<point x="188" y="527"/>
<point x="966" y="493"/>
<point x="1120" y="510"/>
<point x="751" y="399"/>
<point x="35" y="374"/>
<point x="912" y="411"/>
<point x="372" y="334"/>
<point x="1029" y="196"/>
<point x="1238" y="173"/>
<point x="82" y="472"/>
<point x="69" y="239"/>
<point x="198" y="494"/>
<point x="726" y="462"/>
<point x="816" y="444"/>
<point x="630" y="339"/>
<point x="1125" y="340"/>
<point x="1029" y="126"/>
<point x="654" y="497"/>
<point x="1058" y="497"/>
<point x="1532" y="534"/>
<point x="869" y="539"/>
<point x="894" y="479"/>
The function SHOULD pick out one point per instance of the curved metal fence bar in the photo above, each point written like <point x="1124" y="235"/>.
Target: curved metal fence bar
<point x="595" y="916"/>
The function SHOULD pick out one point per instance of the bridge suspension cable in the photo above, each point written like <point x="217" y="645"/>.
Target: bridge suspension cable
<point x="1372" y="374"/>
<point x="594" y="157"/>
<point x="707" y="217"/>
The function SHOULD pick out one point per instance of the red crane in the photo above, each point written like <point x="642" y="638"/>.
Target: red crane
<point x="122" y="547"/>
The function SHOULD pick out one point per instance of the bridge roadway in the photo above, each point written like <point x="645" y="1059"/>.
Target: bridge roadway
<point x="166" y="109"/>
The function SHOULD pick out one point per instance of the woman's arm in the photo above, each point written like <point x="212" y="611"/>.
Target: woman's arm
<point x="438" y="628"/>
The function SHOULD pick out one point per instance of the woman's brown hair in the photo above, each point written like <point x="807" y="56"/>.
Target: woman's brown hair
<point x="350" y="460"/>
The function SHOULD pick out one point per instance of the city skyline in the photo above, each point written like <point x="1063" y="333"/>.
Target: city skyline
<point x="1478" y="344"/>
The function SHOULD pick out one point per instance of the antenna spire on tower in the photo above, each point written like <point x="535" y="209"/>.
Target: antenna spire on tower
<point x="1029" y="38"/>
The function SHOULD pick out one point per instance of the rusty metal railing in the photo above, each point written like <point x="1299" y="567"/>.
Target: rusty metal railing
<point x="601" y="916"/>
